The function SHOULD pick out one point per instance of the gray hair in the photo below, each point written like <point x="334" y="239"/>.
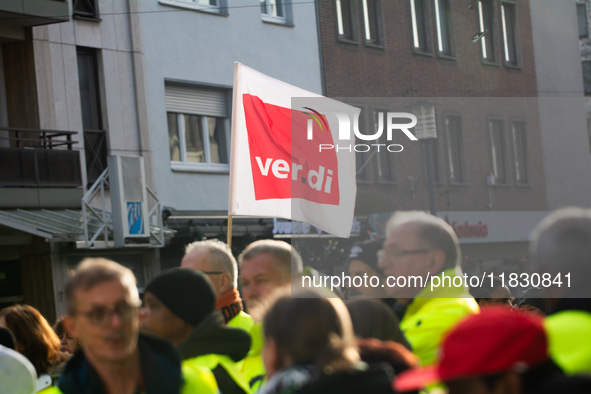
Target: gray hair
<point x="285" y="258"/>
<point x="432" y="230"/>
<point x="94" y="271"/>
<point x="562" y="243"/>
<point x="220" y="257"/>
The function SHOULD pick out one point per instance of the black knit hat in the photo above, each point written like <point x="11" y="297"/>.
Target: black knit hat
<point x="367" y="252"/>
<point x="534" y="297"/>
<point x="187" y="293"/>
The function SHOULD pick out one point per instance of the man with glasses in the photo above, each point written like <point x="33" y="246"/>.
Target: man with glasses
<point x="215" y="259"/>
<point x="102" y="303"/>
<point x="418" y="247"/>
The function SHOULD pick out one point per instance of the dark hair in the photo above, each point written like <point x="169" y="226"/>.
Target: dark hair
<point x="400" y="358"/>
<point x="374" y="319"/>
<point x="58" y="327"/>
<point x="312" y="330"/>
<point x="7" y="338"/>
<point x="35" y="338"/>
<point x="485" y="291"/>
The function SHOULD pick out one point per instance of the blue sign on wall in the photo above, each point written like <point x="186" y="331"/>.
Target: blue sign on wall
<point x="135" y="218"/>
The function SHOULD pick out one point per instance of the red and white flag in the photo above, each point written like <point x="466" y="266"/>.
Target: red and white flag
<point x="284" y="162"/>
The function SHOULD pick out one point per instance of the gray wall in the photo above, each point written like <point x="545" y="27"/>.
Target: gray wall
<point x="57" y="76"/>
<point x="567" y="160"/>
<point x="198" y="47"/>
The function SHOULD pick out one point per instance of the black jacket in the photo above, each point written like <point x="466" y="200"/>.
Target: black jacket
<point x="375" y="380"/>
<point x="212" y="336"/>
<point x="161" y="370"/>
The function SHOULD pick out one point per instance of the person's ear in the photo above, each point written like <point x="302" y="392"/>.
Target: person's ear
<point x="225" y="282"/>
<point x="436" y="260"/>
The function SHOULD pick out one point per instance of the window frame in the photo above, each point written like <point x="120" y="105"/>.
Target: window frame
<point x="383" y="139"/>
<point x="436" y="145"/>
<point x="584" y="7"/>
<point x="526" y="152"/>
<point x="379" y="41"/>
<point x="516" y="36"/>
<point x="503" y="121"/>
<point x="285" y="20"/>
<point x="363" y="155"/>
<point x="450" y="53"/>
<point x="461" y="149"/>
<point x="92" y="16"/>
<point x="586" y="66"/>
<point x="220" y="9"/>
<point x="426" y="28"/>
<point x="352" y="4"/>
<point x="486" y="20"/>
<point x="207" y="166"/>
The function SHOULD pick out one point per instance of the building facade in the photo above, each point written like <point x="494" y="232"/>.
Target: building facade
<point x="72" y="93"/>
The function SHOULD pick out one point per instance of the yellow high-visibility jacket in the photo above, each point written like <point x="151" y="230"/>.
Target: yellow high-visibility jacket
<point x="432" y="313"/>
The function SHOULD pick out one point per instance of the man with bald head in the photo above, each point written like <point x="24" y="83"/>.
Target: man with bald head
<point x="215" y="259"/>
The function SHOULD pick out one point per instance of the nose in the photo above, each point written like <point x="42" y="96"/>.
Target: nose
<point x="250" y="293"/>
<point x="63" y="340"/>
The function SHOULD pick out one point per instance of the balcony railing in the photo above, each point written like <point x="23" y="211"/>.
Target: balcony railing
<point x="38" y="158"/>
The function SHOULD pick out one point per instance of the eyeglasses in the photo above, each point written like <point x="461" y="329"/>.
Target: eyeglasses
<point x="394" y="254"/>
<point x="104" y="316"/>
<point x="213" y="272"/>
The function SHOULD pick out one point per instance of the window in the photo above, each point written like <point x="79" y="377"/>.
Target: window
<point x="85" y="8"/>
<point x="443" y="23"/>
<point x="497" y="138"/>
<point x="509" y="21"/>
<point x="418" y="9"/>
<point x="363" y="159"/>
<point x="485" y="16"/>
<point x="274" y="11"/>
<point x="371" y="22"/>
<point x="386" y="166"/>
<point x="582" y="19"/>
<point x="345" y="18"/>
<point x="209" y="6"/>
<point x="587" y="76"/>
<point x="95" y="144"/>
<point x="455" y="146"/>
<point x="520" y="149"/>
<point x="197" y="128"/>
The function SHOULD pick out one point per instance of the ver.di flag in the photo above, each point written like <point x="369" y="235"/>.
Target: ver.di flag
<point x="278" y="167"/>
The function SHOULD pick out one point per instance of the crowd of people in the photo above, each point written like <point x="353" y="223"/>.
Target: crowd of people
<point x="223" y="325"/>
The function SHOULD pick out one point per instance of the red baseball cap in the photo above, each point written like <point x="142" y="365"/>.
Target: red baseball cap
<point x="493" y="341"/>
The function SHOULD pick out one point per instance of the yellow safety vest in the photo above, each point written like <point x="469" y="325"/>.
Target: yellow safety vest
<point x="427" y="320"/>
<point x="211" y="361"/>
<point x="253" y="367"/>
<point x="568" y="338"/>
<point x="242" y="320"/>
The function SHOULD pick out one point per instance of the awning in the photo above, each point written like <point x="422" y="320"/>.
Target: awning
<point x="62" y="225"/>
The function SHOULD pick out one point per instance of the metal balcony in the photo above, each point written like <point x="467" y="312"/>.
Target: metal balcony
<point x="26" y="13"/>
<point x="38" y="158"/>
